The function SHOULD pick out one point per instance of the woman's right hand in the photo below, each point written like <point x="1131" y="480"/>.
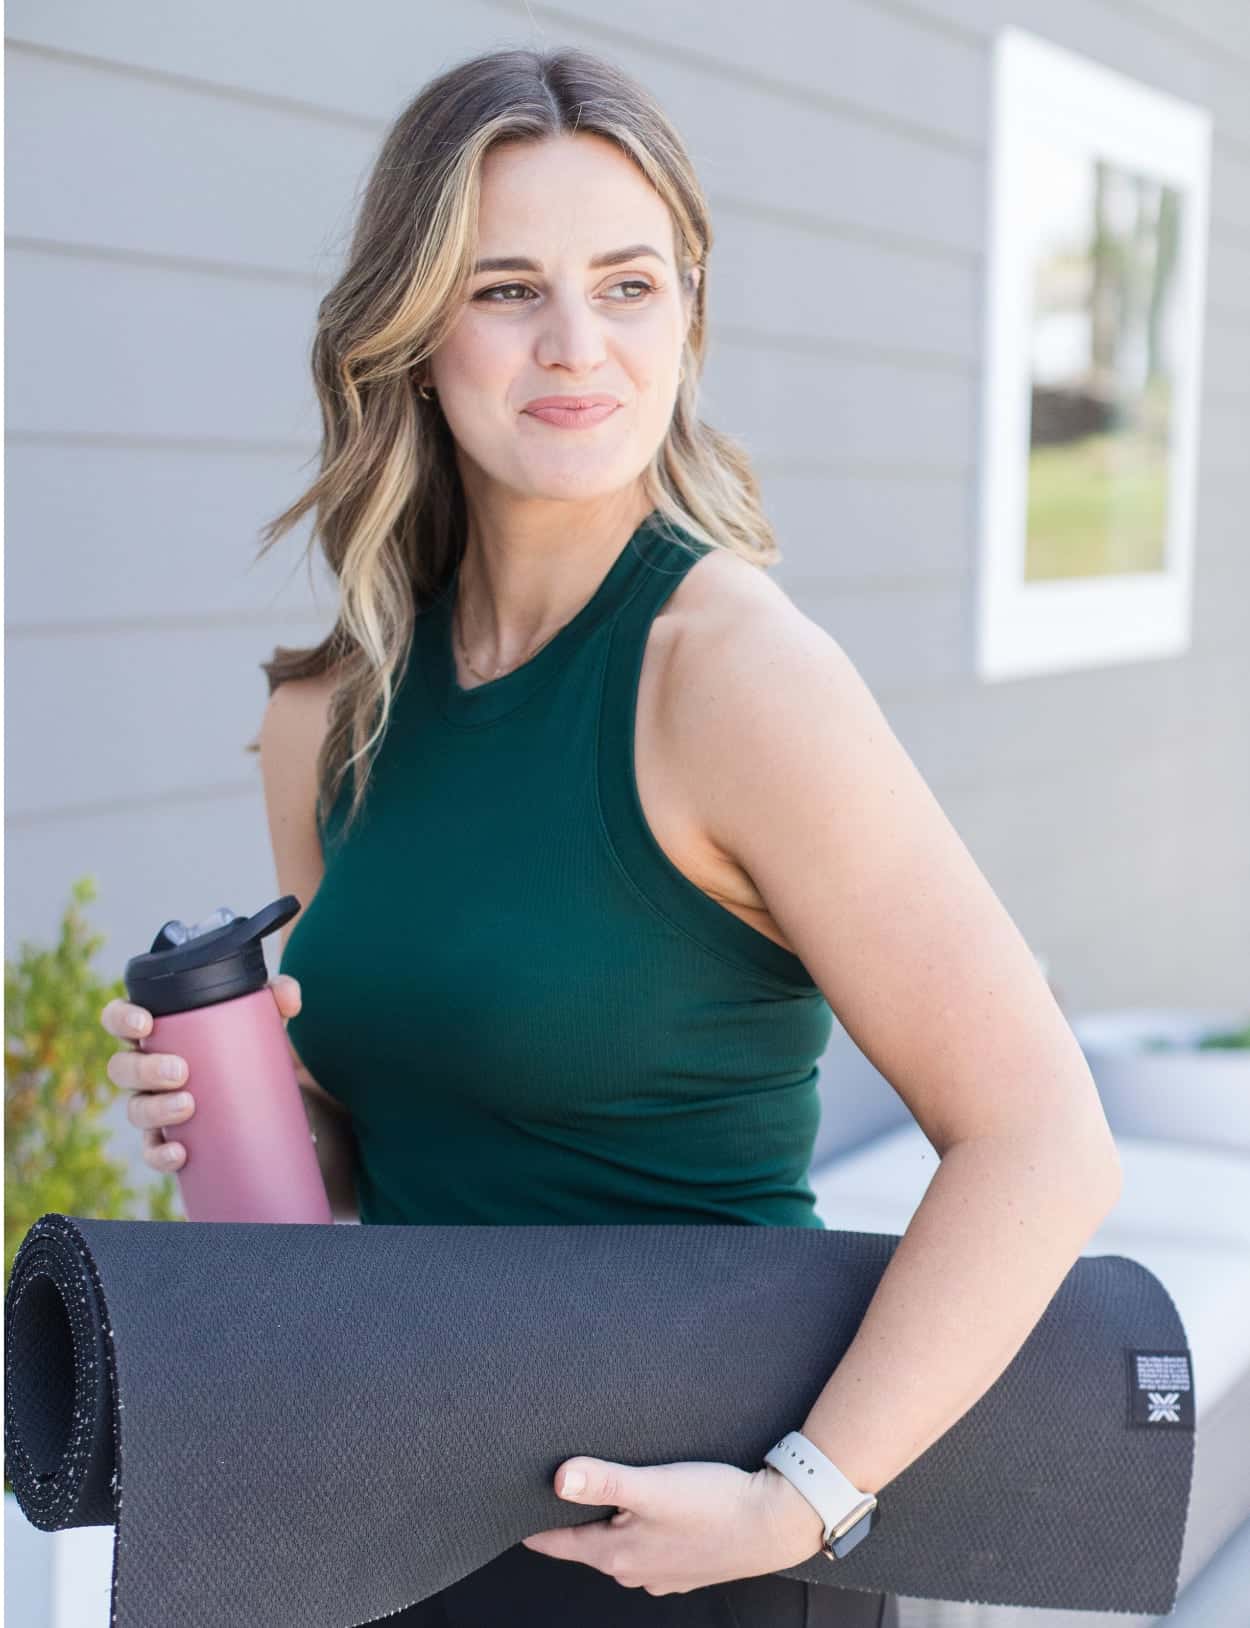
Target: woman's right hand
<point x="158" y="1097"/>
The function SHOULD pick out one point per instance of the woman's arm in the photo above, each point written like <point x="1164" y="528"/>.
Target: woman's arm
<point x="291" y="732"/>
<point x="997" y="1231"/>
<point x="799" y="779"/>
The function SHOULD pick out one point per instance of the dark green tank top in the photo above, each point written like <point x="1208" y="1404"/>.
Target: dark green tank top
<point x="531" y="1014"/>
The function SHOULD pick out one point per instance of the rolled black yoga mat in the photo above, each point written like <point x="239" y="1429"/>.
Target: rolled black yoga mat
<point x="316" y="1426"/>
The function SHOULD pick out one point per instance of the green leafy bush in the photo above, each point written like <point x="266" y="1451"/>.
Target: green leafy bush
<point x="56" y="1052"/>
<point x="56" y="1087"/>
<point x="1237" y="1039"/>
<point x="1229" y="1040"/>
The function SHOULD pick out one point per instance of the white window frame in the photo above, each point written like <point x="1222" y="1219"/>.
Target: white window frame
<point x="1044" y="93"/>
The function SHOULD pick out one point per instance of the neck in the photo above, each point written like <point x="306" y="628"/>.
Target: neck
<point x="516" y="589"/>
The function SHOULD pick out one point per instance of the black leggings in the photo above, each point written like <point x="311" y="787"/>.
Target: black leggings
<point x="522" y="1587"/>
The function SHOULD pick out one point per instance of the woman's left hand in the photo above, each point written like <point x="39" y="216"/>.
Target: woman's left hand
<point x="682" y="1526"/>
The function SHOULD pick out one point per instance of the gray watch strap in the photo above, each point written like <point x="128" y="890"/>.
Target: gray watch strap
<point x="848" y="1514"/>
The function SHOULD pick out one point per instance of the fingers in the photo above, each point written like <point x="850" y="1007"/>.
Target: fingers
<point x="126" y="1020"/>
<point x="132" y="1069"/>
<point x="151" y="1109"/>
<point x="162" y="1155"/>
<point x="286" y="991"/>
<point x="146" y="1070"/>
<point x="154" y="1078"/>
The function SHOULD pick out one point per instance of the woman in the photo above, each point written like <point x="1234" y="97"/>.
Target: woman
<point x="593" y="828"/>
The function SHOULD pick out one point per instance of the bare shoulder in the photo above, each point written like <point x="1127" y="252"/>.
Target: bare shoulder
<point x="759" y="703"/>
<point x="299" y="704"/>
<point x="733" y="632"/>
<point x="722" y="581"/>
<point x="292" y="730"/>
<point x="723" y="661"/>
<point x="802" y="783"/>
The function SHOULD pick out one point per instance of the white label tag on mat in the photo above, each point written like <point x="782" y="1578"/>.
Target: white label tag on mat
<point x="1160" y="1389"/>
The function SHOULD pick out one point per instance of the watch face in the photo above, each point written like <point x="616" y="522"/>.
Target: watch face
<point x="842" y="1546"/>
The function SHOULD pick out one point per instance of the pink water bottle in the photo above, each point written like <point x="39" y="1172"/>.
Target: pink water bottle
<point x="250" y="1153"/>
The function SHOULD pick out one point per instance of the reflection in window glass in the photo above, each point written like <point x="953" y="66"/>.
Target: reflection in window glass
<point x="1103" y="348"/>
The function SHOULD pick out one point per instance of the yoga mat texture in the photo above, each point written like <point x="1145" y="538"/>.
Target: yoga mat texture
<point x="317" y="1426"/>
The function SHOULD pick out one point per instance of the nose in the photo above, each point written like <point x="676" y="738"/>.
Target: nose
<point x="572" y="336"/>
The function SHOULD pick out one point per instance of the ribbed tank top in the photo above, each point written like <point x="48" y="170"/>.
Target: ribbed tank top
<point x="532" y="1015"/>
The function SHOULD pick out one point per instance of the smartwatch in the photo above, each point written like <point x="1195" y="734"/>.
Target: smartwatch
<point x="848" y="1514"/>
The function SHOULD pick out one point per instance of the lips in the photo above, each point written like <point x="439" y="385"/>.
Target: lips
<point x="570" y="403"/>
<point x="572" y="412"/>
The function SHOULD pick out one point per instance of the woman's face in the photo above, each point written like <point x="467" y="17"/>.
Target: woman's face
<point x="563" y="326"/>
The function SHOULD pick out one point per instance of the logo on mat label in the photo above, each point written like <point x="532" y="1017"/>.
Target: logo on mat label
<point x="1160" y="1389"/>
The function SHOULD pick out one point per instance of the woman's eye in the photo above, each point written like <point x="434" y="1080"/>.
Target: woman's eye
<point x="626" y="282"/>
<point x="502" y="288"/>
<point x="635" y="282"/>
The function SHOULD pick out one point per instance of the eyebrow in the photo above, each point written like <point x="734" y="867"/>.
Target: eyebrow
<point x="613" y="257"/>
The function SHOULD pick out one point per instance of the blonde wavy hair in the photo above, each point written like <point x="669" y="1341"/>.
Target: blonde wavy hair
<point x="389" y="507"/>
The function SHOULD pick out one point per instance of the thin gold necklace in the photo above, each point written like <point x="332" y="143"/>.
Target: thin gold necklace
<point x="499" y="671"/>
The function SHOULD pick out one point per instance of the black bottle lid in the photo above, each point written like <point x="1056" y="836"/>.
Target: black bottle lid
<point x="189" y="967"/>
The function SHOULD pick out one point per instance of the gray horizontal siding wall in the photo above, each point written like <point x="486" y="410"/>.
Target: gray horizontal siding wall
<point x="180" y="185"/>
